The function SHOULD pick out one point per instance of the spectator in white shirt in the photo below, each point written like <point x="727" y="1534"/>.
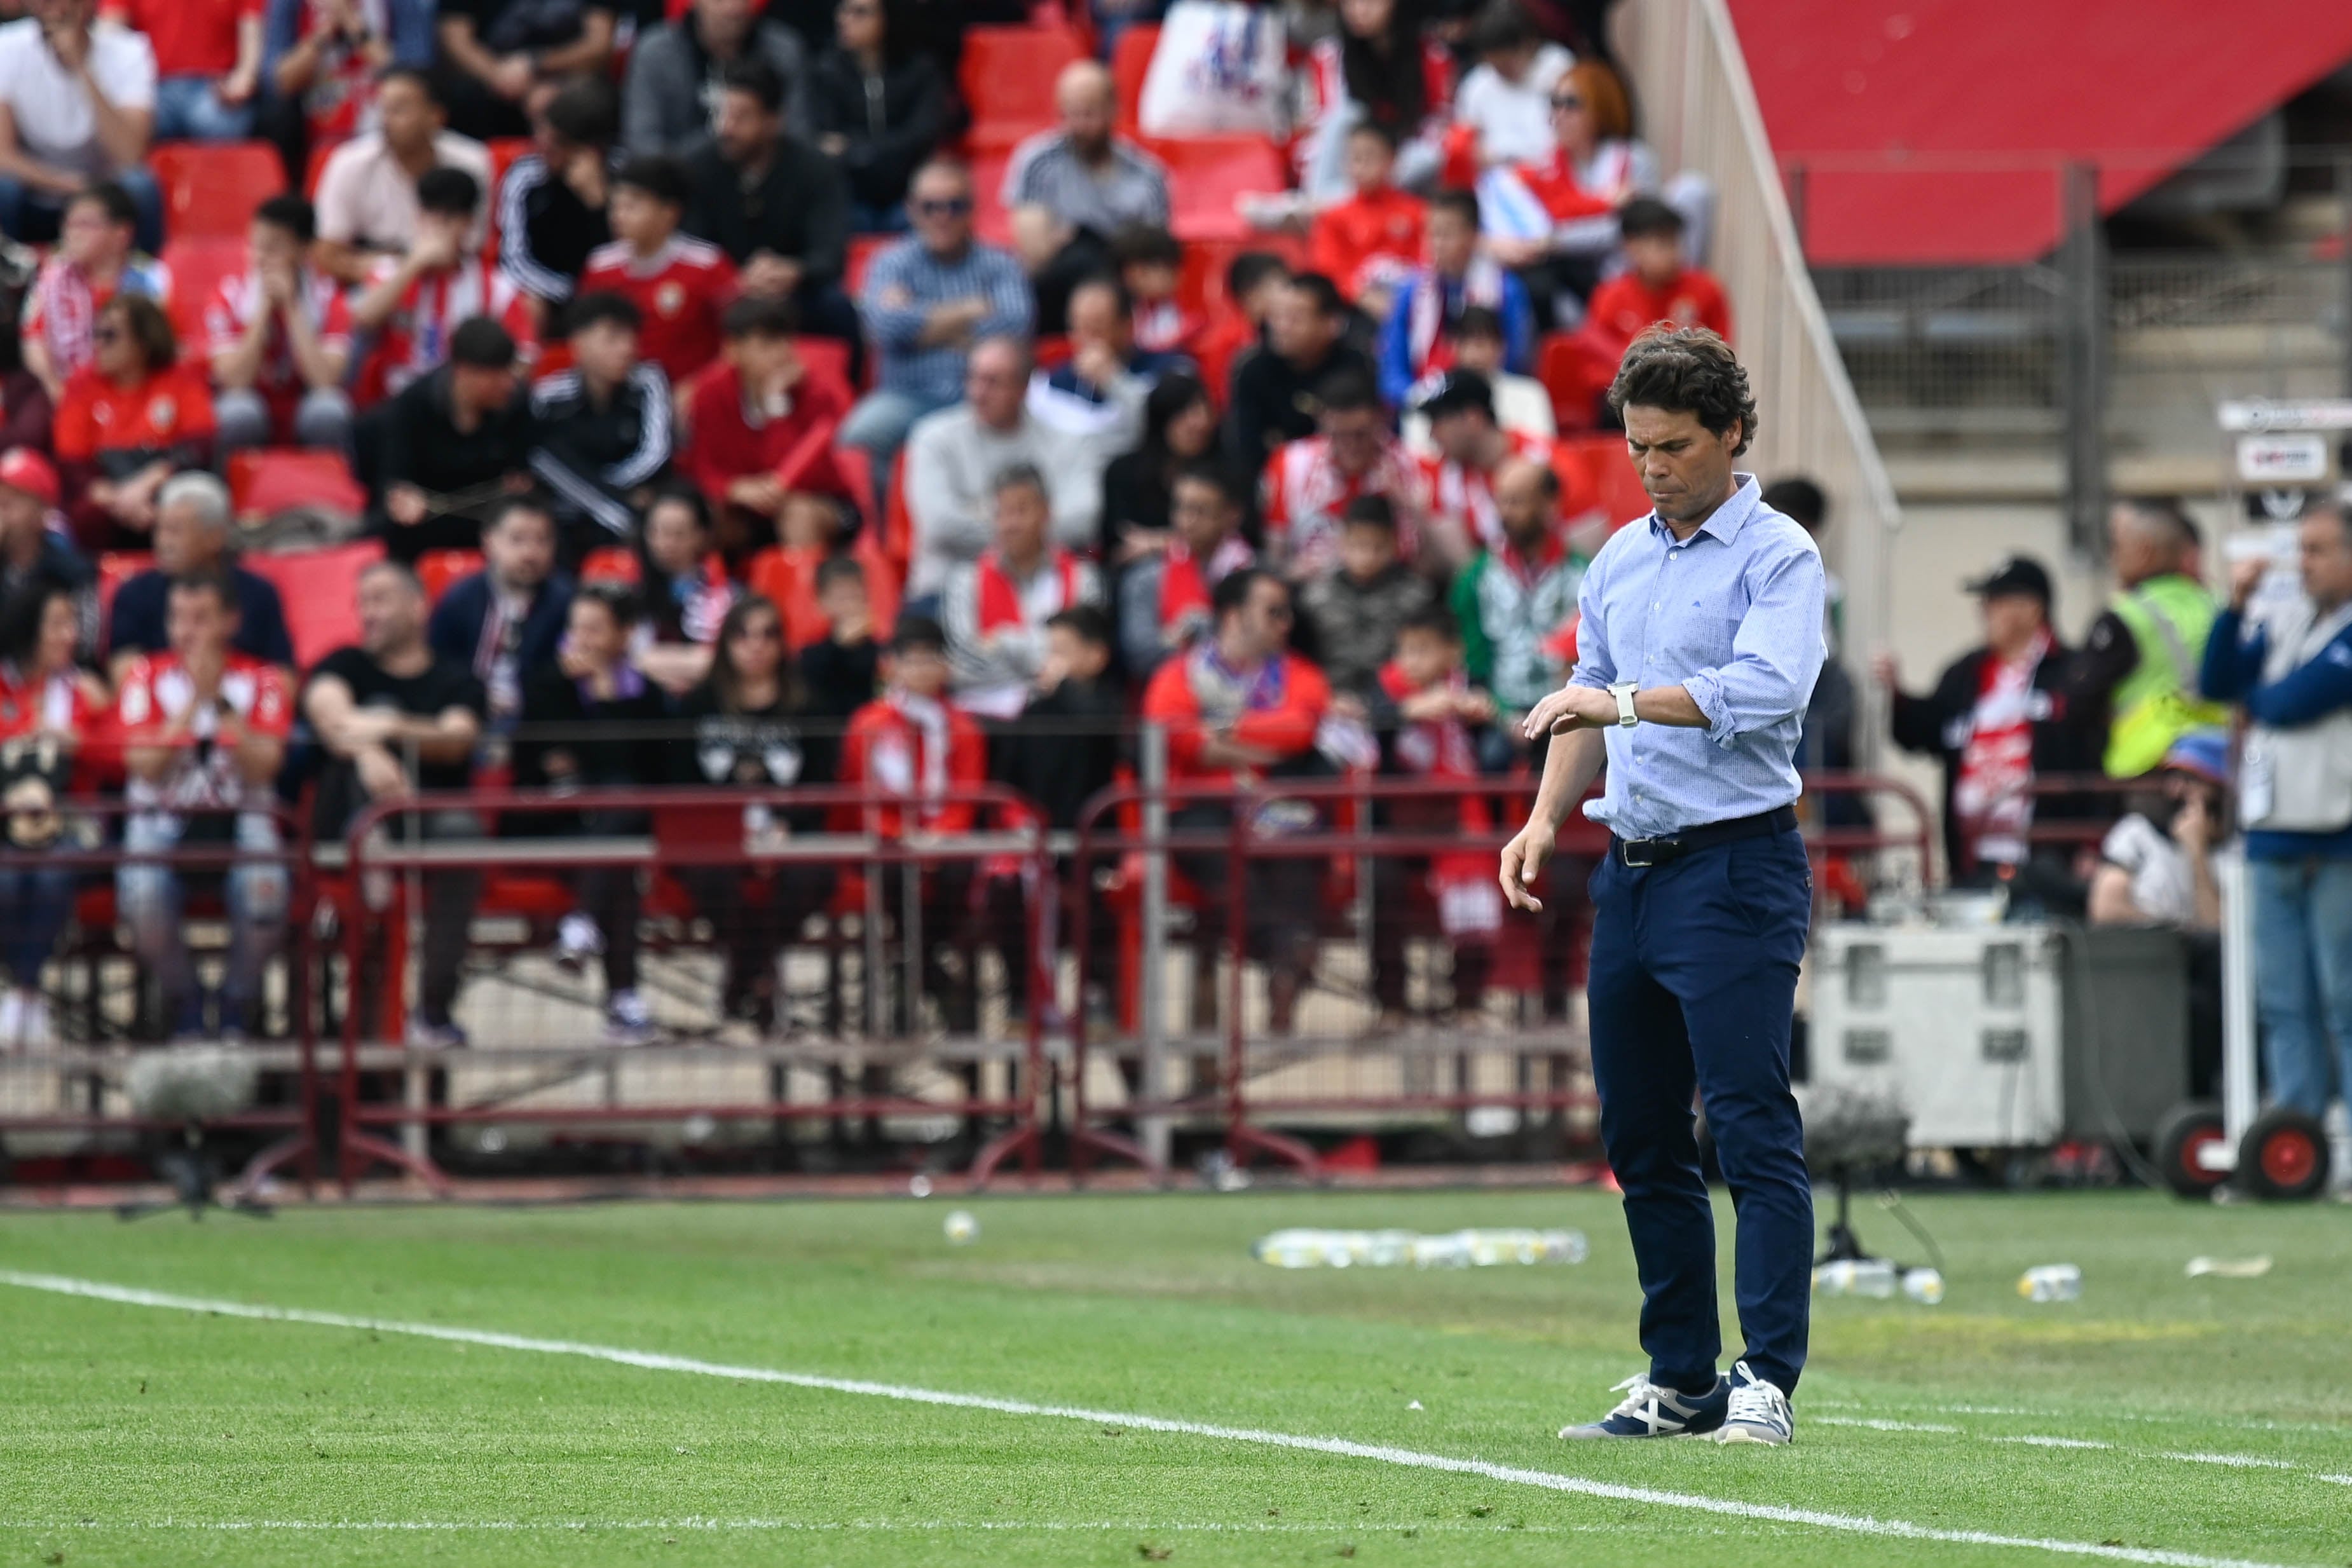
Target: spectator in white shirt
<point x="1507" y="96"/>
<point x="367" y="192"/>
<point x="2156" y="865"/>
<point x="76" y="105"/>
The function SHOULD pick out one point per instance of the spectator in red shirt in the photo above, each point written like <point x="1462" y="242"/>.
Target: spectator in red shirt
<point x="1658" y="286"/>
<point x="910" y="751"/>
<point x="681" y="285"/>
<point x="414" y="304"/>
<point x="1254" y="281"/>
<point x="204" y="730"/>
<point x="1150" y="263"/>
<point x="1238" y="707"/>
<point x="1309" y="484"/>
<point x="280" y="339"/>
<point x="208" y="64"/>
<point x="763" y="446"/>
<point x="130" y="420"/>
<point x="1367" y="243"/>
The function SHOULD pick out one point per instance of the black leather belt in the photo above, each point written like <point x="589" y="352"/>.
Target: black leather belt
<point x="1640" y="853"/>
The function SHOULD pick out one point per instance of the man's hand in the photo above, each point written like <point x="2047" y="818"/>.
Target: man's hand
<point x="1096" y="364"/>
<point x="1523" y="859"/>
<point x="769" y="275"/>
<point x="584" y="172"/>
<point x="1429" y="706"/>
<point x="1570" y="708"/>
<point x="758" y="492"/>
<point x="71" y="44"/>
<point x="278" y="287"/>
<point x="2244" y="578"/>
<point x="833" y="144"/>
<point x="381" y="774"/>
<point x="513" y="77"/>
<point x="2192" y="830"/>
<point x="1886" y="671"/>
<point x="435" y="249"/>
<point x="238" y="85"/>
<point x="1473" y="706"/>
<point x="406" y="505"/>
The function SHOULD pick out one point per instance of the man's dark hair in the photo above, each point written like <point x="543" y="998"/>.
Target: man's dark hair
<point x="533" y="505"/>
<point x="1328" y="300"/>
<point x="21" y="615"/>
<point x="758" y="79"/>
<point x="1345" y="392"/>
<point x="112" y="200"/>
<point x="1145" y="245"/>
<point x="835" y="569"/>
<point x="1436" y="619"/>
<point x="1379" y="132"/>
<point x="291" y="213"/>
<point x="482" y="344"/>
<point x="1122" y="297"/>
<point x="1021" y="476"/>
<point x="1460" y="201"/>
<point x="619" y="600"/>
<point x="417" y="77"/>
<point x="1646" y="217"/>
<point x="677" y="492"/>
<point x="1232" y="590"/>
<point x="915" y="631"/>
<point x="451" y="193"/>
<point x="214" y="582"/>
<point x="1217" y="476"/>
<point x="1686" y="370"/>
<point x="1799" y="500"/>
<point x="1477" y="321"/>
<point x="753" y="317"/>
<point x="1246" y="271"/>
<point x="1086" y="622"/>
<point x="149" y="328"/>
<point x="1502" y="27"/>
<point x="604" y="307"/>
<point x="1369" y="512"/>
<point x="586" y="112"/>
<point x="665" y="179"/>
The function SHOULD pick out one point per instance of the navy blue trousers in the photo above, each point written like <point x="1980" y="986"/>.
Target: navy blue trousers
<point x="1693" y="981"/>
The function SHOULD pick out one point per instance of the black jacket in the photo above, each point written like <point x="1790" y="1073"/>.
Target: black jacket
<point x="1273" y="402"/>
<point x="892" y="120"/>
<point x="2066" y="740"/>
<point x="417" y="444"/>
<point x="1066" y="746"/>
<point x="799" y="210"/>
<point x="596" y="457"/>
<point x="545" y="230"/>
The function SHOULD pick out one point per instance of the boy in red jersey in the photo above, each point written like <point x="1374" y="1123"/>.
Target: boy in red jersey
<point x="1659" y="285"/>
<point x="204" y="730"/>
<point x="1367" y="243"/>
<point x="756" y="450"/>
<point x="681" y="285"/>
<point x="414" y="304"/>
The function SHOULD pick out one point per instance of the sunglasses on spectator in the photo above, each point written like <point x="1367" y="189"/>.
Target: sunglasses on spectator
<point x="944" y="206"/>
<point x="1567" y="100"/>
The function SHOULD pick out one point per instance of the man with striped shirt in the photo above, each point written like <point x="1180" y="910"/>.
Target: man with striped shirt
<point x="926" y="301"/>
<point x="1071" y="189"/>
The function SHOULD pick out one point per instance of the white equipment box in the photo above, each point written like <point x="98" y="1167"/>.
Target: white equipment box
<point x="1963" y="1029"/>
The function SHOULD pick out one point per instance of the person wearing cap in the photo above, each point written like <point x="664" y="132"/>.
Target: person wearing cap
<point x="2000" y="720"/>
<point x="1472" y="448"/>
<point x="2156" y="865"/>
<point x="2291" y="670"/>
<point x="193" y="516"/>
<point x="1699" y="641"/>
<point x="33" y="552"/>
<point x="2140" y="660"/>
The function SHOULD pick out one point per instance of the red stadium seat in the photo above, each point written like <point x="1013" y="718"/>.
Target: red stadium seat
<point x="990" y="218"/>
<point x="1008" y="80"/>
<point x="280" y="478"/>
<point x="1206" y="174"/>
<point x="439" y="569"/>
<point x="1566" y="367"/>
<point x="1131" y="62"/>
<point x="614" y="563"/>
<point x="198" y="264"/>
<point x="1599" y="477"/>
<point x="855" y="466"/>
<point x="213" y="188"/>
<point x="863" y="249"/>
<point x="116" y="567"/>
<point x="320" y="590"/>
<point x="897" y="522"/>
<point x="827" y="359"/>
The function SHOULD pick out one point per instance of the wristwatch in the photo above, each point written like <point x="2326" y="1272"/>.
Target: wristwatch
<point x="1624" y="692"/>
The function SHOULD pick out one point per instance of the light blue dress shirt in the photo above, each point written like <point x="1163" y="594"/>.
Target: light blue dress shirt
<point x="1734" y="617"/>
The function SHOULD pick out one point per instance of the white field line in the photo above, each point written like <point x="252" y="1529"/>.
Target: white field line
<point x="2340" y="1480"/>
<point x="2237" y="1461"/>
<point x="1878" y="1425"/>
<point x="2035" y="1441"/>
<point x="2302" y="1428"/>
<point x="1511" y="1475"/>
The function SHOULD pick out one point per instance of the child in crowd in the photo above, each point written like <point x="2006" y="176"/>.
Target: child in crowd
<point x="415" y="302"/>
<point x="1254" y="279"/>
<point x="761" y="449"/>
<point x="1522" y="406"/>
<point x="687" y="592"/>
<point x="1150" y="263"/>
<point x="679" y="284"/>
<point x="1428" y="714"/>
<point x="1164" y="599"/>
<point x="1371" y="242"/>
<point x="1356" y="612"/>
<point x="842" y="670"/>
<point x="1658" y="284"/>
<point x="1457" y="277"/>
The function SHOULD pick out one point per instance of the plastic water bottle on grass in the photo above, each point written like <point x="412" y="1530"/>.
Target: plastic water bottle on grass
<point x="1872" y="1276"/>
<point x="2052" y="1283"/>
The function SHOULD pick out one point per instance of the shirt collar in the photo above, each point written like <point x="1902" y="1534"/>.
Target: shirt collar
<point x="1729" y="518"/>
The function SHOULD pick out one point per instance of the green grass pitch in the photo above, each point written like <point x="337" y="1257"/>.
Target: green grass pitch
<point x="2159" y="1419"/>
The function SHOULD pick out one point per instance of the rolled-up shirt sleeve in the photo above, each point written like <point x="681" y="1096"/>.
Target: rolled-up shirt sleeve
<point x="1776" y="656"/>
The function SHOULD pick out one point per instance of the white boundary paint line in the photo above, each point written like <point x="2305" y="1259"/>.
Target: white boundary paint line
<point x="2237" y="1461"/>
<point x="1879" y="1425"/>
<point x="2035" y="1441"/>
<point x="1511" y="1474"/>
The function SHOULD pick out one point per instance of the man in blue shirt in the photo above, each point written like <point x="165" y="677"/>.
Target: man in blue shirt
<point x="1698" y="647"/>
<point x="925" y="303"/>
<point x="191" y="525"/>
<point x="2292" y="675"/>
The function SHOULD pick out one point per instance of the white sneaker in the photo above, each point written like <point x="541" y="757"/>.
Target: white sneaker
<point x="1759" y="1414"/>
<point x="577" y="940"/>
<point x="627" y="1020"/>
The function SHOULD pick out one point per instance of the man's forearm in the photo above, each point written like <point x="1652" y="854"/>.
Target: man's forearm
<point x="1670" y="706"/>
<point x="1570" y="766"/>
<point x="122" y="135"/>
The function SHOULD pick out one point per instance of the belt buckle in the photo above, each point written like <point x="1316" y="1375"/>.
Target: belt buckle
<point x="1647" y="847"/>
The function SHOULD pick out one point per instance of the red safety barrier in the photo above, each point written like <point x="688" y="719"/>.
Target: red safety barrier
<point x="687" y="830"/>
